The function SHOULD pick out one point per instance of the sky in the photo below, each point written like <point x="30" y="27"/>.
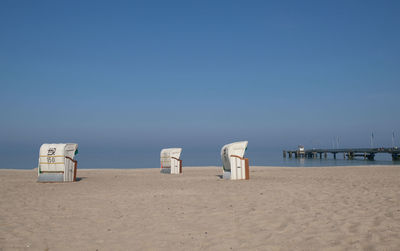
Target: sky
<point x="143" y="75"/>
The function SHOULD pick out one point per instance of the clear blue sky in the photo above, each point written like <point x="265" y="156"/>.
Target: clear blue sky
<point x="199" y="73"/>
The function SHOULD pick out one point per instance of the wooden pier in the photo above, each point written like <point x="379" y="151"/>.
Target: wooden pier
<point x="350" y="153"/>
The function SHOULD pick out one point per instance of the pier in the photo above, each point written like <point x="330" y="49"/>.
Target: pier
<point x="349" y="153"/>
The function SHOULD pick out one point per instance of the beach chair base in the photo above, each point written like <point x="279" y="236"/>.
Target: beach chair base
<point x="165" y="170"/>
<point x="50" y="177"/>
<point x="226" y="175"/>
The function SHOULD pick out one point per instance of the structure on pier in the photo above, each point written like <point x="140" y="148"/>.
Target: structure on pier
<point x="170" y="162"/>
<point x="235" y="166"/>
<point x="350" y="153"/>
<point x="57" y="163"/>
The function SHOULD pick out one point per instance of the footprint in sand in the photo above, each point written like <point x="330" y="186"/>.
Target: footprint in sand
<point x="353" y="228"/>
<point x="377" y="221"/>
<point x="284" y="224"/>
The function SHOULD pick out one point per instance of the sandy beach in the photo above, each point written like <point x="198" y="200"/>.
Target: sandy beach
<point x="329" y="208"/>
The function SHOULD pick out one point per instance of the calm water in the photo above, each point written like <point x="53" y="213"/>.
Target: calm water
<point x="26" y="157"/>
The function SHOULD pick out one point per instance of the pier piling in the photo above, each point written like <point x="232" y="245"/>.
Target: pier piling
<point x="371" y="156"/>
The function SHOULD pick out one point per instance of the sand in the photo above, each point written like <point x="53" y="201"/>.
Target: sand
<point x="327" y="208"/>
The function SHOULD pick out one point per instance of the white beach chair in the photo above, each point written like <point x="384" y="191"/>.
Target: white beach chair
<point x="57" y="163"/>
<point x="235" y="166"/>
<point x="170" y="162"/>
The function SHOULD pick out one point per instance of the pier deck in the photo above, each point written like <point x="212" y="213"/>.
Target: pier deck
<point x="350" y="153"/>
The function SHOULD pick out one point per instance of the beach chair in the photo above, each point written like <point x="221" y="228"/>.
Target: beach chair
<point x="170" y="162"/>
<point x="235" y="166"/>
<point x="57" y="163"/>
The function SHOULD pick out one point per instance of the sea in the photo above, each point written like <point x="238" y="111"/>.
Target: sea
<point x="99" y="157"/>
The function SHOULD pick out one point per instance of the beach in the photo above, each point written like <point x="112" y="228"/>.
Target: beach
<point x="279" y="208"/>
